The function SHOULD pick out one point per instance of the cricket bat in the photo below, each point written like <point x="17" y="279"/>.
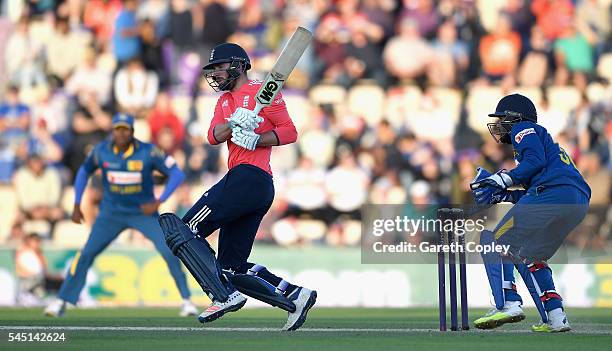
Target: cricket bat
<point x="285" y="63"/>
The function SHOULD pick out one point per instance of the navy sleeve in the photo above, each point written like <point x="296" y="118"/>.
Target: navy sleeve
<point x="87" y="168"/>
<point x="167" y="165"/>
<point x="529" y="150"/>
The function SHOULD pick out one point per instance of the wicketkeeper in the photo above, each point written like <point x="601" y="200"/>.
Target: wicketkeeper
<point x="554" y="201"/>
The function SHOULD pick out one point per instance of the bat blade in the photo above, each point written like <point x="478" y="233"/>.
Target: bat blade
<point x="281" y="70"/>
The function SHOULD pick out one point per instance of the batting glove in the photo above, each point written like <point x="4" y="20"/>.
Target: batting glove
<point x="244" y="118"/>
<point x="499" y="180"/>
<point x="245" y="138"/>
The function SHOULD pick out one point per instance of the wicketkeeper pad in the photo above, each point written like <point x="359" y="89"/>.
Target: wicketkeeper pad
<point x="196" y="254"/>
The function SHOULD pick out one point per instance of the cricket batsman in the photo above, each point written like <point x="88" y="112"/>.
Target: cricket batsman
<point x="239" y="201"/>
<point x="554" y="201"/>
<point x="128" y="201"/>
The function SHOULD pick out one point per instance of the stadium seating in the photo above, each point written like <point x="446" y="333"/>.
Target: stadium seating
<point x="563" y="98"/>
<point x="205" y="108"/>
<point x="327" y="94"/>
<point x="70" y="235"/>
<point x="480" y="102"/>
<point x="299" y="109"/>
<point x="181" y="105"/>
<point x="604" y="67"/>
<point x="8" y="210"/>
<point x="367" y="101"/>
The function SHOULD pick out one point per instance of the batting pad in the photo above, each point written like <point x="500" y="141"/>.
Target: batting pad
<point x="196" y="254"/>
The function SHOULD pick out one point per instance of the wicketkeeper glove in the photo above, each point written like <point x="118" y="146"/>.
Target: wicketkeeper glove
<point x="499" y="180"/>
<point x="487" y="195"/>
<point x="244" y="118"/>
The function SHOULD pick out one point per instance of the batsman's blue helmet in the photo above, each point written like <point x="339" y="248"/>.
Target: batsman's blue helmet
<point x="227" y="52"/>
<point x="238" y="63"/>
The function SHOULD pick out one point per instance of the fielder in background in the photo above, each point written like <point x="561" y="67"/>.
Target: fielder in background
<point x="239" y="201"/>
<point x="127" y="166"/>
<point x="554" y="201"/>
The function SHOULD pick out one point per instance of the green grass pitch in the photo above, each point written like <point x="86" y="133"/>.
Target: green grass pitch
<point x="351" y="329"/>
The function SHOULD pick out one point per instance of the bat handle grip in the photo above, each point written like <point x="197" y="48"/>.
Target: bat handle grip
<point x="258" y="108"/>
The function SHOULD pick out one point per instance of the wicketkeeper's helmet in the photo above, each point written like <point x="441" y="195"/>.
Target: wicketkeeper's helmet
<point x="511" y="109"/>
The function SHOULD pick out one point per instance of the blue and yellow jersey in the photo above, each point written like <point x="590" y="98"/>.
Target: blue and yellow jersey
<point x="127" y="178"/>
<point x="541" y="161"/>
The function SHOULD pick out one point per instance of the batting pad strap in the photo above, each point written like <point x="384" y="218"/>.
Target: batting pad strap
<point x="282" y="287"/>
<point x="536" y="266"/>
<point x="550" y="294"/>
<point x="508" y="285"/>
<point x="196" y="254"/>
<point x="261" y="290"/>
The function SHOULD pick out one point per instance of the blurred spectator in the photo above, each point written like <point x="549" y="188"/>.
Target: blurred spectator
<point x="163" y="117"/>
<point x="99" y="16"/>
<point x="305" y="188"/>
<point x="90" y="125"/>
<point x="50" y="112"/>
<point x="534" y="68"/>
<point x="31" y="270"/>
<point x="597" y="177"/>
<point x="14" y="127"/>
<point x="65" y="49"/>
<point x="14" y="115"/>
<point x="574" y="55"/>
<point x="152" y="54"/>
<point x="363" y="61"/>
<point x="23" y="57"/>
<point x="89" y="80"/>
<point x="201" y="157"/>
<point x="347" y="186"/>
<point x="154" y="11"/>
<point x="217" y="26"/>
<point x="451" y="56"/>
<point x="553" y="16"/>
<point x="181" y="25"/>
<point x="38" y="190"/>
<point x="500" y="50"/>
<point x="551" y="118"/>
<point x="252" y="21"/>
<point x="135" y="88"/>
<point x="520" y="16"/>
<point x="380" y="12"/>
<point x="423" y="13"/>
<point x="595" y="18"/>
<point x="334" y="32"/>
<point x="408" y="40"/>
<point x="126" y="34"/>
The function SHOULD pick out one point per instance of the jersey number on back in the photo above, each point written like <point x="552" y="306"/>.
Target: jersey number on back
<point x="565" y="157"/>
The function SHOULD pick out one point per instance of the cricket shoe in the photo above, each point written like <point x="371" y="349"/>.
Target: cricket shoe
<point x="217" y="309"/>
<point x="188" y="309"/>
<point x="511" y="313"/>
<point x="557" y="323"/>
<point x="55" y="308"/>
<point x="303" y="299"/>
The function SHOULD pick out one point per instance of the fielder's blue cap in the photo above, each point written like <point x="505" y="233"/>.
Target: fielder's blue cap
<point x="123" y="120"/>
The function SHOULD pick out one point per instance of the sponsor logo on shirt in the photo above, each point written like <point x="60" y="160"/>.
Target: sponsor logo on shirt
<point x="279" y="101"/>
<point x="520" y="135"/>
<point x="123" y="178"/>
<point x="134" y="165"/>
<point x="245" y="101"/>
<point x="224" y="104"/>
<point x="110" y="165"/>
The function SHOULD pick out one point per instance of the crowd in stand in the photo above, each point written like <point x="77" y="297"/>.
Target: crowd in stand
<point x="390" y="100"/>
